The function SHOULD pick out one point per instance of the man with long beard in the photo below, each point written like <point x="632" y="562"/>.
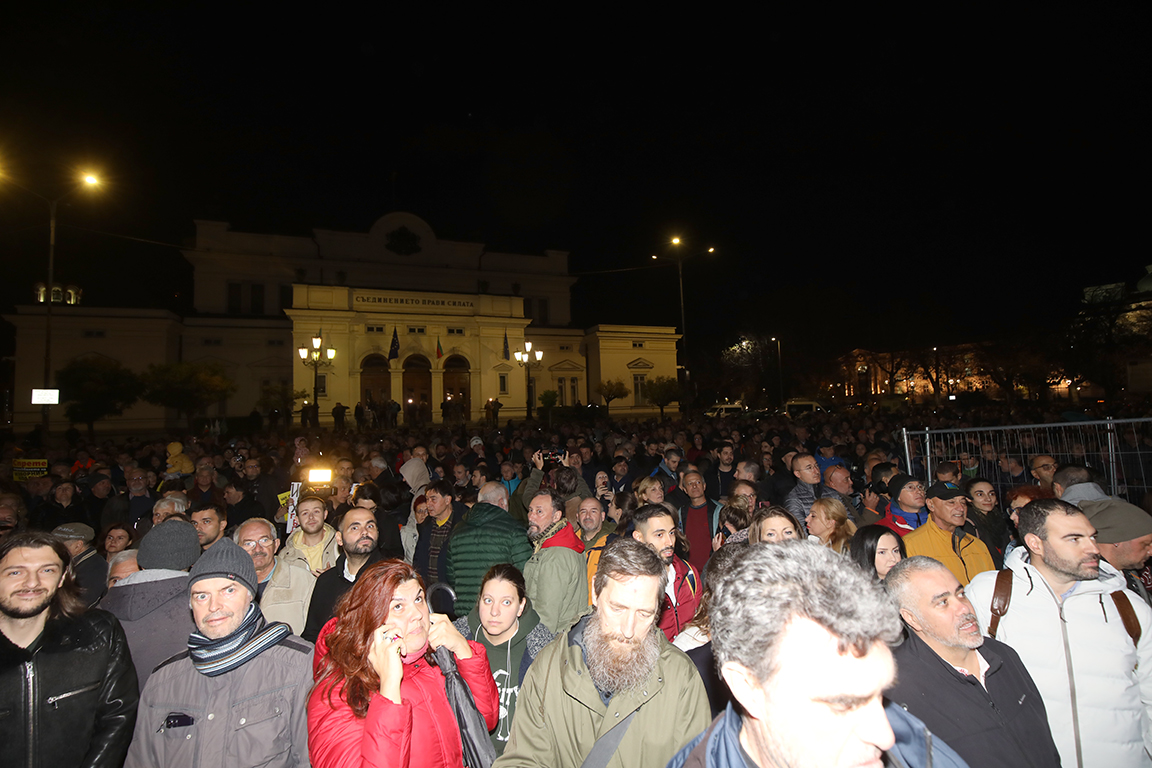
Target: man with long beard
<point x="612" y="687"/>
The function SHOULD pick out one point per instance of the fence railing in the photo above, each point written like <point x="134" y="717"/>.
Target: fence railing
<point x="1119" y="451"/>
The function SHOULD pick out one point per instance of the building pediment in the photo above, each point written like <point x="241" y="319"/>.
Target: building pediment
<point x="640" y="364"/>
<point x="566" y="365"/>
<point x="502" y="367"/>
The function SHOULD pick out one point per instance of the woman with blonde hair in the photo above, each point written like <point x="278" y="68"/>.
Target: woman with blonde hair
<point x="829" y="524"/>
<point x="650" y="491"/>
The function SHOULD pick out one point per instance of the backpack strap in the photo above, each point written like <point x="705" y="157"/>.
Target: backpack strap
<point x="1001" y="599"/>
<point x="1127" y="615"/>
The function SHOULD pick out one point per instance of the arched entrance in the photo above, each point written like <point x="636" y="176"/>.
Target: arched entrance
<point x="417" y="402"/>
<point x="375" y="380"/>
<point x="458" y="387"/>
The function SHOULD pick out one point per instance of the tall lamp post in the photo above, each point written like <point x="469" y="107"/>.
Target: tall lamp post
<point x="779" y="370"/>
<point x="314" y="359"/>
<point x="88" y="180"/>
<point x="525" y="359"/>
<point x="679" y="255"/>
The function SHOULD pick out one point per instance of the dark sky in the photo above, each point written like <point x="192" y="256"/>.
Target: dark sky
<point x="867" y="182"/>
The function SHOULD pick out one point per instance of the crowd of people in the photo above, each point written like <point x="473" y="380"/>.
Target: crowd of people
<point x="682" y="592"/>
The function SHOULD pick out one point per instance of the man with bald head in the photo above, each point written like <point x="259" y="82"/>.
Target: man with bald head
<point x="487" y="537"/>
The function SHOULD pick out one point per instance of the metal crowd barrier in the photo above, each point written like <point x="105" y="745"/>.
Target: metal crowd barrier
<point x="1118" y="451"/>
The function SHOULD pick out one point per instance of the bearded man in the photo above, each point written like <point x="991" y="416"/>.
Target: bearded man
<point x="612" y="684"/>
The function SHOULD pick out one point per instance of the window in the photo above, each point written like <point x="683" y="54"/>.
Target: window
<point x="415" y="329"/>
<point x="285" y="297"/>
<point x="257" y="298"/>
<point x="638" y="394"/>
<point x="275" y="342"/>
<point x="542" y="309"/>
<point x="528" y="308"/>
<point x="212" y="342"/>
<point x="503" y="383"/>
<point x="93" y="334"/>
<point x="374" y="329"/>
<point x="455" y="331"/>
<point x="341" y="277"/>
<point x="565" y="347"/>
<point x="322" y="385"/>
<point x="235" y="298"/>
<point x="575" y="384"/>
<point x="301" y="275"/>
<point x="560" y="391"/>
<point x="637" y="345"/>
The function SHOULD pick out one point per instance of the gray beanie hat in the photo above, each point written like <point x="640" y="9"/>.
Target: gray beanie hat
<point x="173" y="544"/>
<point x="225" y="560"/>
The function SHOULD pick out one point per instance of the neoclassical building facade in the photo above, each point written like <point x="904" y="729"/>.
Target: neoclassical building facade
<point x="457" y="311"/>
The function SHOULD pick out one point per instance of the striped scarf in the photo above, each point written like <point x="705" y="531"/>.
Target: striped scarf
<point x="251" y="638"/>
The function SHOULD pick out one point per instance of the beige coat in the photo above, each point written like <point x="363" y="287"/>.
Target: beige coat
<point x="293" y="555"/>
<point x="287" y="595"/>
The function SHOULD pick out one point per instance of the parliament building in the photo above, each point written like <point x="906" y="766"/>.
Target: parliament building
<point x="409" y="317"/>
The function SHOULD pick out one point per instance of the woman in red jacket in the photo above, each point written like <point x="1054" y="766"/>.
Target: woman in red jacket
<point x="379" y="701"/>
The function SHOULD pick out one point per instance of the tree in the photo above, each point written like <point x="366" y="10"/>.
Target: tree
<point x="548" y="400"/>
<point x="280" y="396"/>
<point x="750" y="367"/>
<point x="95" y="388"/>
<point x="187" y="388"/>
<point x="612" y="390"/>
<point x="661" y="391"/>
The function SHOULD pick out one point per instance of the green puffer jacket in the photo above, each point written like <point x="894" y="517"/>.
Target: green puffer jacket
<point x="487" y="536"/>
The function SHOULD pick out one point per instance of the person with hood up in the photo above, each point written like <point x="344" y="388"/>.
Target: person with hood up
<point x="906" y="510"/>
<point x="179" y="465"/>
<point x="510" y="630"/>
<point x="415" y="473"/>
<point x="152" y="604"/>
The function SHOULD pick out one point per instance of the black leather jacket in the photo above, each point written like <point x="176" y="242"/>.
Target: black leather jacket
<point x="72" y="700"/>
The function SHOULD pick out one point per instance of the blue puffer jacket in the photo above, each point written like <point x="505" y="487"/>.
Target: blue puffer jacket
<point x="916" y="747"/>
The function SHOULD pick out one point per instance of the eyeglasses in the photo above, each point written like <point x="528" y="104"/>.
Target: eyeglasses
<point x="914" y="487"/>
<point x="263" y="541"/>
<point x="1046" y="466"/>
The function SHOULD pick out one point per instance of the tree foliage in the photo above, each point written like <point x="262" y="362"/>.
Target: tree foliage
<point x="612" y="390"/>
<point x="95" y="388"/>
<point x="187" y="388"/>
<point x="549" y="398"/>
<point x="280" y="396"/>
<point x="661" y="391"/>
<point x="750" y="367"/>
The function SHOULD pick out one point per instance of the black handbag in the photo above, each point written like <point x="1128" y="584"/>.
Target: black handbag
<point x="478" y="749"/>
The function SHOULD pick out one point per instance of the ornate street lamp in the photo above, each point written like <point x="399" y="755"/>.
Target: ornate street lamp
<point x="315" y="359"/>
<point x="526" y="358"/>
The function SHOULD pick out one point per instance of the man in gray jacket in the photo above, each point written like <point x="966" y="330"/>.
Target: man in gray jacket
<point x="239" y="694"/>
<point x="152" y="604"/>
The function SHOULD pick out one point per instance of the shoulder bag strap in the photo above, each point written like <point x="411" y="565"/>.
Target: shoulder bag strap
<point x="1001" y="598"/>
<point x="1127" y="615"/>
<point x="606" y="745"/>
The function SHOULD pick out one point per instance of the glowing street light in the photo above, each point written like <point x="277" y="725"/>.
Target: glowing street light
<point x="86" y="179"/>
<point x="314" y="359"/>
<point x="525" y="359"/>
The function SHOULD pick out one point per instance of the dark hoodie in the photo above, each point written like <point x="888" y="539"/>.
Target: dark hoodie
<point x="509" y="662"/>
<point x="155" y="616"/>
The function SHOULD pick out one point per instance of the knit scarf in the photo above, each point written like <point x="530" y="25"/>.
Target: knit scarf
<point x="251" y="638"/>
<point x="549" y="532"/>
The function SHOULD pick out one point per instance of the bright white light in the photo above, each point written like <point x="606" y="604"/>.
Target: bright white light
<point x="45" y="397"/>
<point x="319" y="475"/>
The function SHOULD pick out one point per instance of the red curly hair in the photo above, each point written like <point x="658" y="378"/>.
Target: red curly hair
<point x="361" y="611"/>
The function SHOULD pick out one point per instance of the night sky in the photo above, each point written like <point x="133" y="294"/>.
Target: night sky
<point x="867" y="182"/>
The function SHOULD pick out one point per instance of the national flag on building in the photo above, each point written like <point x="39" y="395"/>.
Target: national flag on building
<point x="507" y="355"/>
<point x="394" y="350"/>
<point x="439" y="349"/>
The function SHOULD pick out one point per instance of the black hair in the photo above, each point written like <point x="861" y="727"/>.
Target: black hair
<point x="862" y="549"/>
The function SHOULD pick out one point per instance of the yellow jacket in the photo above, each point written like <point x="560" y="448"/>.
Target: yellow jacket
<point x="965" y="556"/>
